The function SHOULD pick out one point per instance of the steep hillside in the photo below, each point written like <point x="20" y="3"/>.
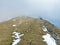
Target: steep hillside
<point x="32" y="28"/>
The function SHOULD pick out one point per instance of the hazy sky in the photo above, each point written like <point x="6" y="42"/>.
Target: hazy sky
<point x="49" y="9"/>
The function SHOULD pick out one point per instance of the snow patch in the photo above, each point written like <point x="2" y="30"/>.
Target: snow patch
<point x="44" y="28"/>
<point x="17" y="37"/>
<point x="49" y="40"/>
<point x="14" y="25"/>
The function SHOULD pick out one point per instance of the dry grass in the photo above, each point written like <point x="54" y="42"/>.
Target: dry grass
<point x="30" y="27"/>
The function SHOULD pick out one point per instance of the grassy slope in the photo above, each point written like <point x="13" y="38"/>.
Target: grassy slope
<point x="32" y="25"/>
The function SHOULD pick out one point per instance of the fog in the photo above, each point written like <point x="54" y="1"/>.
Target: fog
<point x="47" y="9"/>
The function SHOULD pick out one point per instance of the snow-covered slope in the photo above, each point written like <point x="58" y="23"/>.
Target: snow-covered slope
<point x="17" y="37"/>
<point x="49" y="40"/>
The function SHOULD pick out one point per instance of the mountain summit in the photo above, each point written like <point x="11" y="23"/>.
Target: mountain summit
<point x="28" y="31"/>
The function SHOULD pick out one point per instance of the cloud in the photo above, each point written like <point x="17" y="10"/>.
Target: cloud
<point x="48" y="8"/>
<point x="44" y="8"/>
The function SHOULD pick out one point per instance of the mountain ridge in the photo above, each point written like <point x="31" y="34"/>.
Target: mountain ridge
<point x="31" y="27"/>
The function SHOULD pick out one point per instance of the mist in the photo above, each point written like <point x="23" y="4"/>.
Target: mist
<point x="47" y="9"/>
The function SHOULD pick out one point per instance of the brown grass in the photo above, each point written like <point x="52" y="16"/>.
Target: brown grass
<point x="33" y="26"/>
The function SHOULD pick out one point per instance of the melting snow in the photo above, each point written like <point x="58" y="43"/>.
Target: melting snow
<point x="44" y="28"/>
<point x="13" y="25"/>
<point x="17" y="37"/>
<point x="49" y="40"/>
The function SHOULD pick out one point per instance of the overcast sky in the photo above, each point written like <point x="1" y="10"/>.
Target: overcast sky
<point x="49" y="9"/>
